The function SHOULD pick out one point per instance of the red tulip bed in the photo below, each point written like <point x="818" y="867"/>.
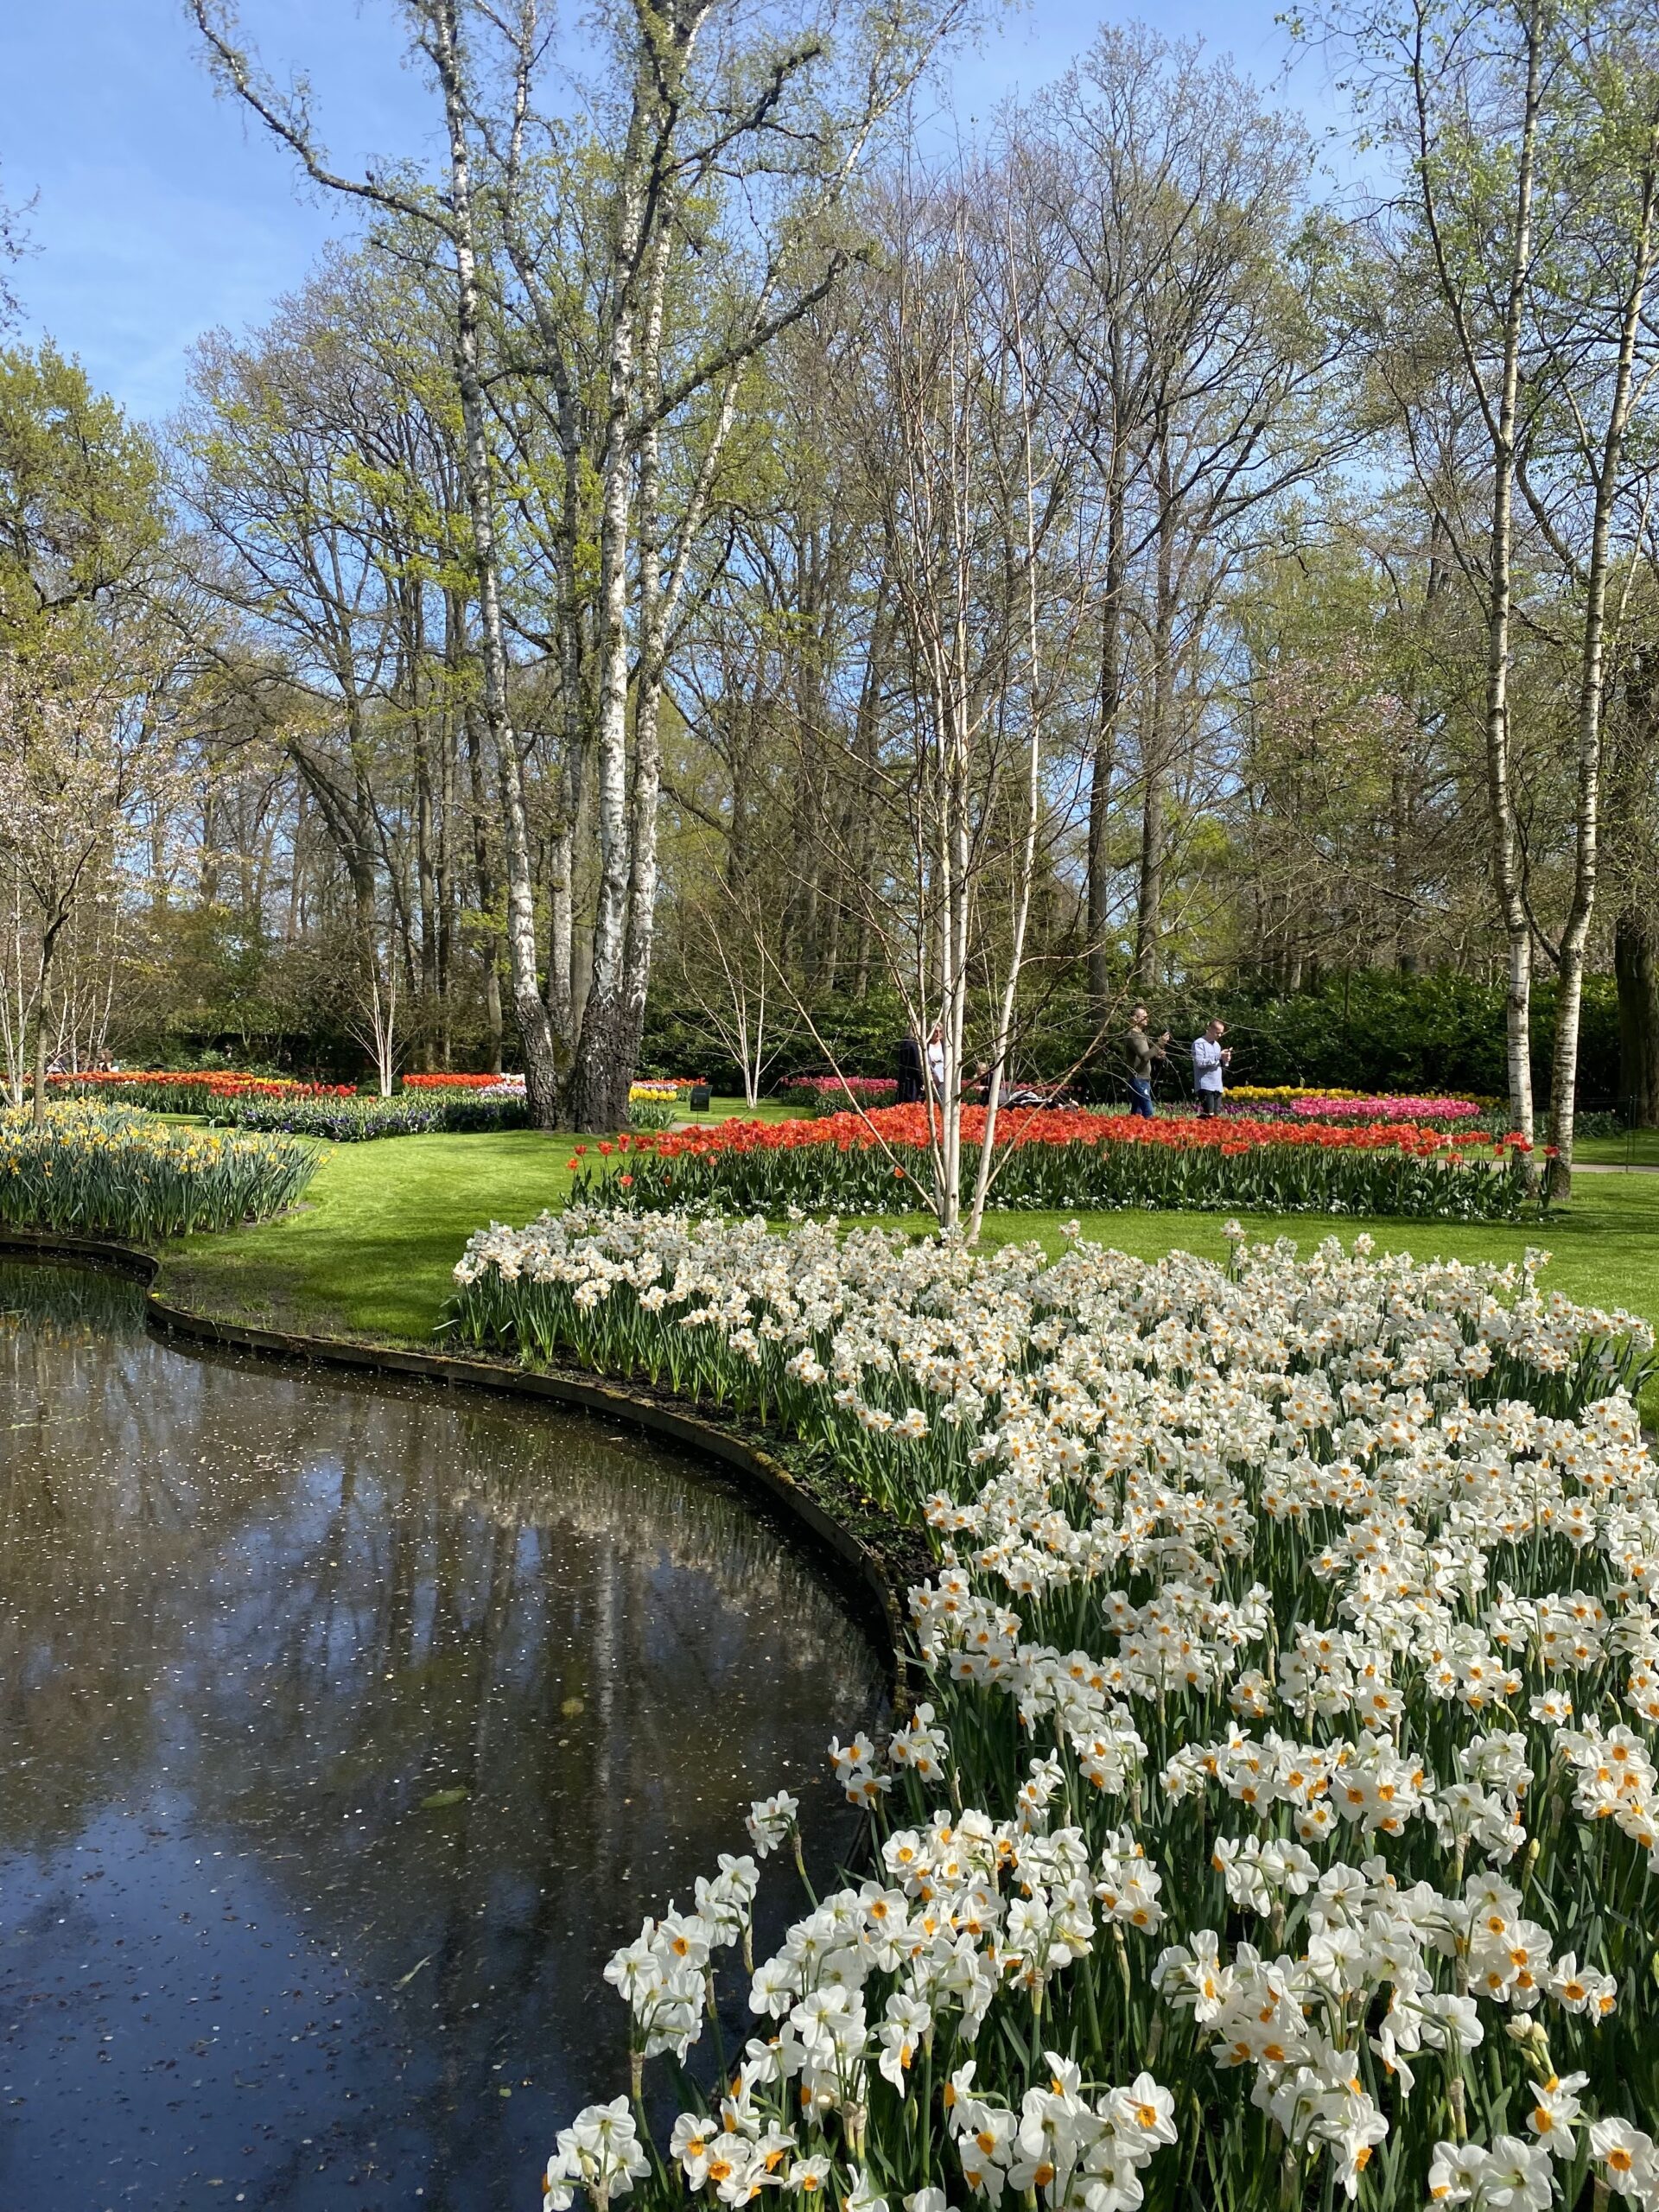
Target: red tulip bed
<point x="1052" y="1160"/>
<point x="456" y="1081"/>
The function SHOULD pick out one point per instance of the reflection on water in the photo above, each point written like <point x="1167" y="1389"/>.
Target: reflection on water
<point x="259" y="1630"/>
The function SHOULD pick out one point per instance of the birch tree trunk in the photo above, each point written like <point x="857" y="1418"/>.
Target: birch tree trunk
<point x="1563" y="1074"/>
<point x="599" y="1080"/>
<point x="1500" y="421"/>
<point x="535" y="1031"/>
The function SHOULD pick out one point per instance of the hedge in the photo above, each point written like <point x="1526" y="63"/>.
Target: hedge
<point x="1373" y="1029"/>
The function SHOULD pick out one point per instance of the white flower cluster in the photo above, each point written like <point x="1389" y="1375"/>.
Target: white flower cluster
<point x="1285" y="1798"/>
<point x="971" y="1356"/>
<point x="876" y="1976"/>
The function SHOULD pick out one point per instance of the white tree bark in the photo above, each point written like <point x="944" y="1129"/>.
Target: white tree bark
<point x="1500" y="415"/>
<point x="530" y="1010"/>
<point x="1591" y="688"/>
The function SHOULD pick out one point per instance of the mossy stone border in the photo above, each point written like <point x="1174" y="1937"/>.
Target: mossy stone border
<point x="591" y="1393"/>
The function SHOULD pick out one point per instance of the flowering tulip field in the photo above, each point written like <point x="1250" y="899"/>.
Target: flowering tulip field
<point x="1321" y="1106"/>
<point x="1339" y="1106"/>
<point x="829" y="1094"/>
<point x="450" y="1082"/>
<point x="188" y="1091"/>
<point x="1056" y="1159"/>
<point x="1266" y="1093"/>
<point x="106" y="1171"/>
<point x="1278" y="1824"/>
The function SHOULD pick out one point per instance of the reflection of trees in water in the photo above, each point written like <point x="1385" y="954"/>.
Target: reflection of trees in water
<point x="85" y="1469"/>
<point x="340" y="1599"/>
<point x="48" y="1296"/>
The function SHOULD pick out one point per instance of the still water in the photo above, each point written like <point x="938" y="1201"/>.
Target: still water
<point x="345" y="1729"/>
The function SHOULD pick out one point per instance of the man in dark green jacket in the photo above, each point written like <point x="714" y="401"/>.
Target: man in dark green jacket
<point x="1142" y="1052"/>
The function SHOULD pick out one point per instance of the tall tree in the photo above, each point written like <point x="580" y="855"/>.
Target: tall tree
<point x="439" y="34"/>
<point x="80" y="524"/>
<point x="1197" y="305"/>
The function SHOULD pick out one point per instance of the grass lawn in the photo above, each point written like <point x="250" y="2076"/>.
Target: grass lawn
<point x="1642" y="1147"/>
<point x="370" y="1254"/>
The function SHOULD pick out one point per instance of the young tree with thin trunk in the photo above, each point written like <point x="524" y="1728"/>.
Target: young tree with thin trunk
<point x="1608" y="350"/>
<point x="1528" y="229"/>
<point x="1462" y="94"/>
<point x="1193" y="289"/>
<point x="970" y="455"/>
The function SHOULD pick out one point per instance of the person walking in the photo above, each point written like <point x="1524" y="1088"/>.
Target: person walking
<point x="1142" y="1052"/>
<point x="935" y="1058"/>
<point x="1209" y="1058"/>
<point x="909" y="1091"/>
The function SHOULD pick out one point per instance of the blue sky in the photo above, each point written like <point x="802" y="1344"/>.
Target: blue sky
<point x="160" y="213"/>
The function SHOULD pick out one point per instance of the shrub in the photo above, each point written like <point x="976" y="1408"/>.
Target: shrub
<point x="1371" y="1030"/>
<point x="110" y="1171"/>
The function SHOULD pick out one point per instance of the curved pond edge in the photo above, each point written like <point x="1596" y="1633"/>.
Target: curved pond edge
<point x="875" y="1581"/>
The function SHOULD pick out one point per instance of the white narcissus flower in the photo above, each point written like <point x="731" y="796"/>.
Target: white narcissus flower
<point x="862" y="2195"/>
<point x="901" y="2036"/>
<point x="1626" y="2157"/>
<point x="772" y="1822"/>
<point x="1457" y="2171"/>
<point x="1518" y="2175"/>
<point x="1555" y="2112"/>
<point x="1142" y="2116"/>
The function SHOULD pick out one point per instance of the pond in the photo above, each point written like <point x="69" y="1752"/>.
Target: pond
<point x="346" y="1727"/>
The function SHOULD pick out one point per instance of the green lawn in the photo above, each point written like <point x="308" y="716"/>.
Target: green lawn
<point x="1642" y="1147"/>
<point x="370" y="1254"/>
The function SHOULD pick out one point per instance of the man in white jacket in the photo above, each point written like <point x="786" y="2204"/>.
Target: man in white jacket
<point x="1210" y="1057"/>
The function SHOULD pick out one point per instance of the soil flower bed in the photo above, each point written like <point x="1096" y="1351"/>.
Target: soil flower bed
<point x="106" y="1171"/>
<point x="880" y="1163"/>
<point x="1279" y="1823"/>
